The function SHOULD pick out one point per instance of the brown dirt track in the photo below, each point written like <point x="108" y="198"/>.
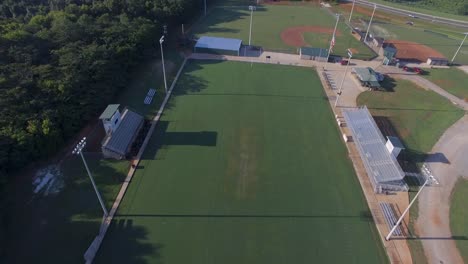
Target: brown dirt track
<point x="293" y="36"/>
<point x="407" y="50"/>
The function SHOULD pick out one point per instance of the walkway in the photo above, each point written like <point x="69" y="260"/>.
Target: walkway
<point x="94" y="247"/>
<point x="424" y="83"/>
<point x="434" y="203"/>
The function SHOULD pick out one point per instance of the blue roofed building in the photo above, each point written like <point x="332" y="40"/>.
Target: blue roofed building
<point x="215" y="45"/>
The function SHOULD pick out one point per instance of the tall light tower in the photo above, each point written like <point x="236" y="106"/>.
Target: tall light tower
<point x="352" y="8"/>
<point x="161" y="40"/>
<point x="430" y="178"/>
<point x="370" y="22"/>
<point x="205" y="6"/>
<point x="461" y="44"/>
<point x="79" y="151"/>
<point x="350" y="55"/>
<point x="251" y="8"/>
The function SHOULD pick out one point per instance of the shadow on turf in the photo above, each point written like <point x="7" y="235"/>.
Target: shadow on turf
<point x="59" y="228"/>
<point x="164" y="139"/>
<point x="364" y="216"/>
<point x="125" y="243"/>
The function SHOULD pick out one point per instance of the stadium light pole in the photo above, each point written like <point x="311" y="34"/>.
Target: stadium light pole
<point x="161" y="40"/>
<point x="350" y="54"/>
<point x="370" y="22"/>
<point x="251" y="8"/>
<point x="79" y="151"/>
<point x="461" y="44"/>
<point x="351" y="14"/>
<point x="334" y="31"/>
<point x="205" y="6"/>
<point x="407" y="209"/>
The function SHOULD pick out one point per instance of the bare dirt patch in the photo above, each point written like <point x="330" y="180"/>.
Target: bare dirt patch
<point x="407" y="50"/>
<point x="354" y="51"/>
<point x="365" y="11"/>
<point x="294" y="36"/>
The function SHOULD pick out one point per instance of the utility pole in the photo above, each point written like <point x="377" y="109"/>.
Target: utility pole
<point x="333" y="37"/>
<point x="79" y="151"/>
<point x="352" y="8"/>
<point x="370" y="22"/>
<point x="161" y="40"/>
<point x="350" y="54"/>
<point x="407" y="209"/>
<point x="461" y="44"/>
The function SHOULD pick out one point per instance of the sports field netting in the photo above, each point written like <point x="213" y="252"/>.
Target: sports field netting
<point x="246" y="166"/>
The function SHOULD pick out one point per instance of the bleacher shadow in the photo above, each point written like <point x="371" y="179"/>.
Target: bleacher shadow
<point x="388" y="84"/>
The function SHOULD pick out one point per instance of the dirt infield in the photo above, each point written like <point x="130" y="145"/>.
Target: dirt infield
<point x="407" y="50"/>
<point x="293" y="36"/>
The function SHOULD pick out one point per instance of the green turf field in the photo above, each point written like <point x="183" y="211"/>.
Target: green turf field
<point x="452" y="80"/>
<point x="268" y="23"/>
<point x="246" y="166"/>
<point x="459" y="217"/>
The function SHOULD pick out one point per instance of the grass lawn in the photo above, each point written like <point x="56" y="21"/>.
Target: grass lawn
<point x="268" y="23"/>
<point x="423" y="10"/>
<point x="419" y="117"/>
<point x="246" y="166"/>
<point x="452" y="80"/>
<point x="459" y="216"/>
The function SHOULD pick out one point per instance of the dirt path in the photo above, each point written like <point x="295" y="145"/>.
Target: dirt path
<point x="434" y="203"/>
<point x="433" y="223"/>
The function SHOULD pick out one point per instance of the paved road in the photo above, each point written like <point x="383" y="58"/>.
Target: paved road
<point x="394" y="10"/>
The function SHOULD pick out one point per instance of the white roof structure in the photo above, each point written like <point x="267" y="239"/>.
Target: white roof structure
<point x="383" y="169"/>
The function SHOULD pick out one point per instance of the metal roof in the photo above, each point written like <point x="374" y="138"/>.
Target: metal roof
<point x="121" y="138"/>
<point x="219" y="43"/>
<point x="367" y="75"/>
<point x="379" y="163"/>
<point x="109" y="111"/>
<point x="396" y="142"/>
<point x="316" y="52"/>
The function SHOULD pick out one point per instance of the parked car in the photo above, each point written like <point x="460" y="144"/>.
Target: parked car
<point x="344" y="62"/>
<point x="407" y="69"/>
<point x="418" y="70"/>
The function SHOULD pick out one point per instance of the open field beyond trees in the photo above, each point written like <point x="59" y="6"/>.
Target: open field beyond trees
<point x="459" y="216"/>
<point x="269" y="21"/>
<point x="245" y="166"/>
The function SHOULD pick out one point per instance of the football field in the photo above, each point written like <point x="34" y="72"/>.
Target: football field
<point x="245" y="166"/>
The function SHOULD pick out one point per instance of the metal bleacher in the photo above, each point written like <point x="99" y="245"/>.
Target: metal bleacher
<point x="390" y="218"/>
<point x="149" y="96"/>
<point x="330" y="82"/>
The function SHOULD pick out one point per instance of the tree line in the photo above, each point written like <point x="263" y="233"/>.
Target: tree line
<point x="62" y="61"/>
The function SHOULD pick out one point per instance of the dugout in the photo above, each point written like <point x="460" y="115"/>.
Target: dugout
<point x="317" y="54"/>
<point x="389" y="52"/>
<point x="437" y="61"/>
<point x="221" y="46"/>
